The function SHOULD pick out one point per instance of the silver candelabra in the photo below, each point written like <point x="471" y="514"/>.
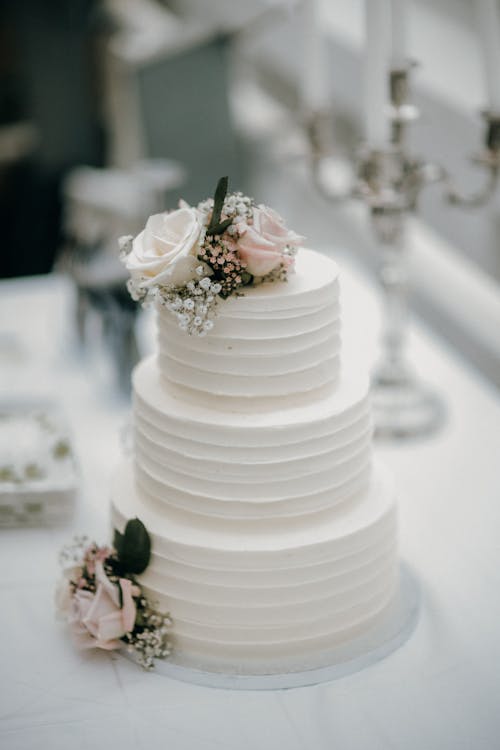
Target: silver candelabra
<point x="389" y="181"/>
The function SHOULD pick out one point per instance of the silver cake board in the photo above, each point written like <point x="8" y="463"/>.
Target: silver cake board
<point x="392" y="629"/>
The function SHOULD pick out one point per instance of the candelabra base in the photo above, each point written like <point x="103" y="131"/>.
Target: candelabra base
<point x="405" y="408"/>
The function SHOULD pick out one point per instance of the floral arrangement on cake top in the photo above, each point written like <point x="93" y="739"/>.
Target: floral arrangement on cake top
<point x="190" y="258"/>
<point x="103" y="603"/>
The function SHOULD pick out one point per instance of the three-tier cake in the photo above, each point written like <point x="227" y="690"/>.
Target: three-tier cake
<point x="274" y="531"/>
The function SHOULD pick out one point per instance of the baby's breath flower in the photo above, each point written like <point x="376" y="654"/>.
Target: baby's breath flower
<point x="192" y="306"/>
<point x="221" y="271"/>
<point x="150" y="642"/>
<point x="205" y="283"/>
<point x="177" y="303"/>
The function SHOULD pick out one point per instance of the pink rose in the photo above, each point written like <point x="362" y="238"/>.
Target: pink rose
<point x="97" y="620"/>
<point x="262" y="243"/>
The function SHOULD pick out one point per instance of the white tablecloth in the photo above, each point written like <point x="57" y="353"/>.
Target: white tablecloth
<point x="440" y="691"/>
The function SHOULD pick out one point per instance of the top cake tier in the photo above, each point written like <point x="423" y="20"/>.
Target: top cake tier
<point x="277" y="339"/>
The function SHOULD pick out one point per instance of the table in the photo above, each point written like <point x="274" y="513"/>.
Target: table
<point x="440" y="691"/>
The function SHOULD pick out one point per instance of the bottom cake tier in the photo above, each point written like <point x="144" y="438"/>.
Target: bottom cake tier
<point x="248" y="603"/>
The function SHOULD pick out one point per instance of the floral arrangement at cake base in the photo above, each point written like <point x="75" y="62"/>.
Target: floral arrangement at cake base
<point x="191" y="258"/>
<point x="102" y="602"/>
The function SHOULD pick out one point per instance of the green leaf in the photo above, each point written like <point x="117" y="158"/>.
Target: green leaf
<point x="246" y="278"/>
<point x="117" y="540"/>
<point x="133" y="547"/>
<point x="219" y="198"/>
<point x="221" y="226"/>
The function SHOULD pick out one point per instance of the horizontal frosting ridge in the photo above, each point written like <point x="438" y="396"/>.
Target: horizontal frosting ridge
<point x="284" y="323"/>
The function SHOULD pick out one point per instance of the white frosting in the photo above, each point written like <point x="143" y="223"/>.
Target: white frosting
<point x="273" y="536"/>
<point x="293" y="420"/>
<point x="257" y="466"/>
<point x="282" y="587"/>
<point x="264" y="344"/>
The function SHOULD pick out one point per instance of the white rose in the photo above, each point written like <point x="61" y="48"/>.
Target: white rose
<point x="165" y="251"/>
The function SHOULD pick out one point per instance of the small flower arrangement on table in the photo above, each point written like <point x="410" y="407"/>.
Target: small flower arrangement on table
<point x="102" y="601"/>
<point x="190" y="258"/>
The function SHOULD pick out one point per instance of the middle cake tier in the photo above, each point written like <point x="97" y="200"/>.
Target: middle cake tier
<point x="281" y="464"/>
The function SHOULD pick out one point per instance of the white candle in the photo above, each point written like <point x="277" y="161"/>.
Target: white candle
<point x="314" y="88"/>
<point x="399" y="33"/>
<point x="377" y="16"/>
<point x="488" y="17"/>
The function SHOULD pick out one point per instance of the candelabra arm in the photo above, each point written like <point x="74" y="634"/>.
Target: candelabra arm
<point x="478" y="198"/>
<point x="489" y="159"/>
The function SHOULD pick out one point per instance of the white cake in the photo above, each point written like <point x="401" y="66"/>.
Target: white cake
<point x="274" y="534"/>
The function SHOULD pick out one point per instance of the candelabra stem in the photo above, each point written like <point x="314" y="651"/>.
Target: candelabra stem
<point x="393" y="281"/>
<point x="403" y="407"/>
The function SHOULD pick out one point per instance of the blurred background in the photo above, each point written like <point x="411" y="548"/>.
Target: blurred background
<point x="112" y="109"/>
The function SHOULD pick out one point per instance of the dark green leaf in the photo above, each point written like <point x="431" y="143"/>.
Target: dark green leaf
<point x="219" y="198"/>
<point x="117" y="540"/>
<point x="133" y="547"/>
<point x="139" y="619"/>
<point x="246" y="278"/>
<point x="220" y="227"/>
